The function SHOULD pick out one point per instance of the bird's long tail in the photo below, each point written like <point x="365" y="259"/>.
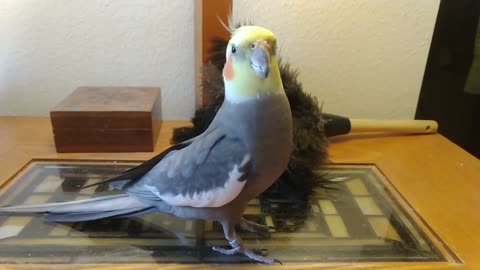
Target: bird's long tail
<point x="107" y="206"/>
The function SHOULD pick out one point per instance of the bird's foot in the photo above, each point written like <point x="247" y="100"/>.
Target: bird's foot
<point x="236" y="242"/>
<point x="253" y="227"/>
<point x="226" y="251"/>
<point x="256" y="255"/>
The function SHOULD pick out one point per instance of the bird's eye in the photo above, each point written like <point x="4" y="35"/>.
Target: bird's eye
<point x="234" y="50"/>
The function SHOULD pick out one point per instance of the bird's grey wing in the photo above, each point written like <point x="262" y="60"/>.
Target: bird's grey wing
<point x="210" y="172"/>
<point x="131" y="175"/>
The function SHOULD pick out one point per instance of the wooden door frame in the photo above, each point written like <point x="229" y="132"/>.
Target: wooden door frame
<point x="206" y="27"/>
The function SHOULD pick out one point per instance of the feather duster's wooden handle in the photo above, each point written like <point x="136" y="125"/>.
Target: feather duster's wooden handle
<point x="400" y="126"/>
<point x="340" y="125"/>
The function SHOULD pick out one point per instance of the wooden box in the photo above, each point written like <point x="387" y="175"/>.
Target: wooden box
<point x="105" y="119"/>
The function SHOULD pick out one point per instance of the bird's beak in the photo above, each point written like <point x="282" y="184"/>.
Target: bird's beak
<point x="260" y="58"/>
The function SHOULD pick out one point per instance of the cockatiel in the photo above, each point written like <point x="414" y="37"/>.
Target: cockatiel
<point x="304" y="173"/>
<point x="214" y="175"/>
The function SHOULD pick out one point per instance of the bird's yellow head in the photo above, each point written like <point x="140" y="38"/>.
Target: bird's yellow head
<point x="251" y="68"/>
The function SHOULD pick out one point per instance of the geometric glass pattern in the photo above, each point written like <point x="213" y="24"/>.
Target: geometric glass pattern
<point x="359" y="217"/>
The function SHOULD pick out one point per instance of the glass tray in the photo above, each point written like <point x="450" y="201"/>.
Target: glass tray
<point x="359" y="218"/>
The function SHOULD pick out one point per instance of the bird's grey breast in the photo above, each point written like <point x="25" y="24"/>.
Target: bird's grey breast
<point x="266" y="125"/>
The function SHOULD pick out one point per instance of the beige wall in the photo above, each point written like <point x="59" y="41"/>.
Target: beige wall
<point x="362" y="58"/>
<point x="49" y="47"/>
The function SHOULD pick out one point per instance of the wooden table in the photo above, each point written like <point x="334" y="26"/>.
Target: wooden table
<point x="439" y="180"/>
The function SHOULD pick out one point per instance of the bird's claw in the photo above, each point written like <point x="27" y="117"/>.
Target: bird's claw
<point x="226" y="251"/>
<point x="254" y="255"/>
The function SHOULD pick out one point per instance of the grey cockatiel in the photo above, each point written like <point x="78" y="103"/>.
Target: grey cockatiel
<point x="214" y="175"/>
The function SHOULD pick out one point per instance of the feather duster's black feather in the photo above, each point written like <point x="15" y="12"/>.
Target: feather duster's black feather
<point x="300" y="179"/>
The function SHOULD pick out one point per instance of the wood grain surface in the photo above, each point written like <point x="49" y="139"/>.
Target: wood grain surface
<point x="438" y="179"/>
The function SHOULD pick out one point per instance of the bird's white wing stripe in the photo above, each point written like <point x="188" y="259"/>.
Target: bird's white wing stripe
<point x="216" y="197"/>
<point x="246" y="158"/>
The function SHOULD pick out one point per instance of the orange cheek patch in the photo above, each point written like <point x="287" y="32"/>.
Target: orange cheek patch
<point x="228" y="69"/>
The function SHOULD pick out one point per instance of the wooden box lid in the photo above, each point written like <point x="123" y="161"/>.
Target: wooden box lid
<point x="106" y="108"/>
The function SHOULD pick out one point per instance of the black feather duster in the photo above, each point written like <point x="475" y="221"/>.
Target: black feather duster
<point x="300" y="179"/>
